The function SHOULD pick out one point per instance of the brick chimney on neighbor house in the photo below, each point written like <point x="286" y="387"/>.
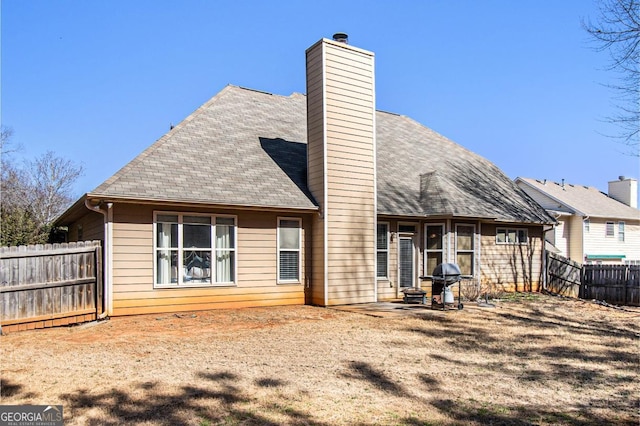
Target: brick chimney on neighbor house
<point x="341" y="171"/>
<point x="624" y="190"/>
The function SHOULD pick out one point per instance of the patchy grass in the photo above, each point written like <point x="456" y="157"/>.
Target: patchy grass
<point x="534" y="359"/>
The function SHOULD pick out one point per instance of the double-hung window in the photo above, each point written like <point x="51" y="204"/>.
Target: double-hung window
<point x="194" y="250"/>
<point x="620" y="231"/>
<point x="434" y="253"/>
<point x="382" y="251"/>
<point x="289" y="243"/>
<point x="609" y="229"/>
<point x="465" y="246"/>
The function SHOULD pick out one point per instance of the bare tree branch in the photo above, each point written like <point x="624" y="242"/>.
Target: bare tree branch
<point x="617" y="31"/>
<point x="33" y="196"/>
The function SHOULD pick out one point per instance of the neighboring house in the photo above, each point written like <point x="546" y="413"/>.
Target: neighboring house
<point x="258" y="199"/>
<point x="592" y="227"/>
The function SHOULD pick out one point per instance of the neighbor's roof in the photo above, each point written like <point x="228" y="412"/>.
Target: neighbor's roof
<point x="248" y="148"/>
<point x="583" y="200"/>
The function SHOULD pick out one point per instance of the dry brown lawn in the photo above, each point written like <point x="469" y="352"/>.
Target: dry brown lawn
<point x="532" y="360"/>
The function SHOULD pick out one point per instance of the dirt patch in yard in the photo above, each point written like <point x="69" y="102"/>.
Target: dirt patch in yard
<point x="533" y="359"/>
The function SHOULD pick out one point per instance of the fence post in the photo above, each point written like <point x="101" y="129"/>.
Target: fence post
<point x="627" y="278"/>
<point x="99" y="283"/>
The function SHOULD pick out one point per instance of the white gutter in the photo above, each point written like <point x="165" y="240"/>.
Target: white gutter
<point x="107" y="293"/>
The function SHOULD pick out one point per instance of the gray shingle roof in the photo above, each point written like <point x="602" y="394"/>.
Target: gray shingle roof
<point x="242" y="147"/>
<point x="245" y="147"/>
<point x="584" y="200"/>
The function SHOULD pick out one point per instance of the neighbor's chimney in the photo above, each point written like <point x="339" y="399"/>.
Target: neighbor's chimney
<point x="341" y="171"/>
<point x="624" y="190"/>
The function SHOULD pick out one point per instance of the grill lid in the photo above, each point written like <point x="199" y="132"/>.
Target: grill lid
<point x="447" y="270"/>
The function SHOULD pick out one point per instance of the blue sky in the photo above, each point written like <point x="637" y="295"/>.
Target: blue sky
<point x="515" y="81"/>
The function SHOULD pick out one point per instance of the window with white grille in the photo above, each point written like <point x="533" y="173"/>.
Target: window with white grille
<point x="434" y="247"/>
<point x="194" y="249"/>
<point x="465" y="248"/>
<point x="289" y="243"/>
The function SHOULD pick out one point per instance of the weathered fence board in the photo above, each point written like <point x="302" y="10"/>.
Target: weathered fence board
<point x="50" y="284"/>
<point x="616" y="284"/>
<point x="563" y="275"/>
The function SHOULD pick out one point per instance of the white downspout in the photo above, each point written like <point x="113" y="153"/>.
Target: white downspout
<point x="108" y="256"/>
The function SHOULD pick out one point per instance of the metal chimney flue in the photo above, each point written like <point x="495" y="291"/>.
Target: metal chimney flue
<point x="341" y="38"/>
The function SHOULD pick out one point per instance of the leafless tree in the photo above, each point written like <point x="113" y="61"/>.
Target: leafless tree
<point x="50" y="180"/>
<point x="32" y="196"/>
<point x="617" y="31"/>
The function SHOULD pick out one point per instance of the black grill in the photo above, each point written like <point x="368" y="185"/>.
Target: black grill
<point x="444" y="276"/>
<point x="447" y="274"/>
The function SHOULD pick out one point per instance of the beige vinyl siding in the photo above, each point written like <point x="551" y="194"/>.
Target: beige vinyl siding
<point x="315" y="123"/>
<point x="561" y="236"/>
<point x="511" y="267"/>
<point x="315" y="169"/>
<point x="92" y="224"/>
<point x="317" y="290"/>
<point x="351" y="200"/>
<point x="574" y="233"/>
<point x="632" y="240"/>
<point x="256" y="254"/>
<point x="597" y="243"/>
<point x="340" y="90"/>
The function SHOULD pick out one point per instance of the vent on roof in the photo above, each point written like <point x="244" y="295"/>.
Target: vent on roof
<point x="341" y="38"/>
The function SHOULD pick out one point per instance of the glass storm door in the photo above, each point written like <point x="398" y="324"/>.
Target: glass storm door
<point x="406" y="262"/>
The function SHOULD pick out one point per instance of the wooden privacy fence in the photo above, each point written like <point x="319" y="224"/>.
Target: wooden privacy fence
<point x="563" y="275"/>
<point x="616" y="284"/>
<point x="49" y="285"/>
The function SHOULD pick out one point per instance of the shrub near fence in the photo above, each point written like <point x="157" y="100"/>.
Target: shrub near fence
<point x="616" y="284"/>
<point x="49" y="285"/>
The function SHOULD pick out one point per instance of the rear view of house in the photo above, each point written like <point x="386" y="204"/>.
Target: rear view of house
<point x="257" y="199"/>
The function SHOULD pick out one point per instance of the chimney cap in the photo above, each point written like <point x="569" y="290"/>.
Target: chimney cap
<point x="622" y="178"/>
<point x="341" y="38"/>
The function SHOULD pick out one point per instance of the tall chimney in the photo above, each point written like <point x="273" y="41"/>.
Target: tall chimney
<point x="342" y="171"/>
<point x="624" y="190"/>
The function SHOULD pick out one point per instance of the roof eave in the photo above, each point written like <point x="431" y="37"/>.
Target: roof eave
<point x="198" y="203"/>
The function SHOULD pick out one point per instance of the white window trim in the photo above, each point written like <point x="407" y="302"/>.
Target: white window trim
<point x="473" y="251"/>
<point x="443" y="250"/>
<point x="586" y="225"/>
<point x="509" y="243"/>
<point x="299" y="280"/>
<point x="415" y="239"/>
<point x="181" y="283"/>
<point x="385" y="278"/>
<point x="621" y="231"/>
